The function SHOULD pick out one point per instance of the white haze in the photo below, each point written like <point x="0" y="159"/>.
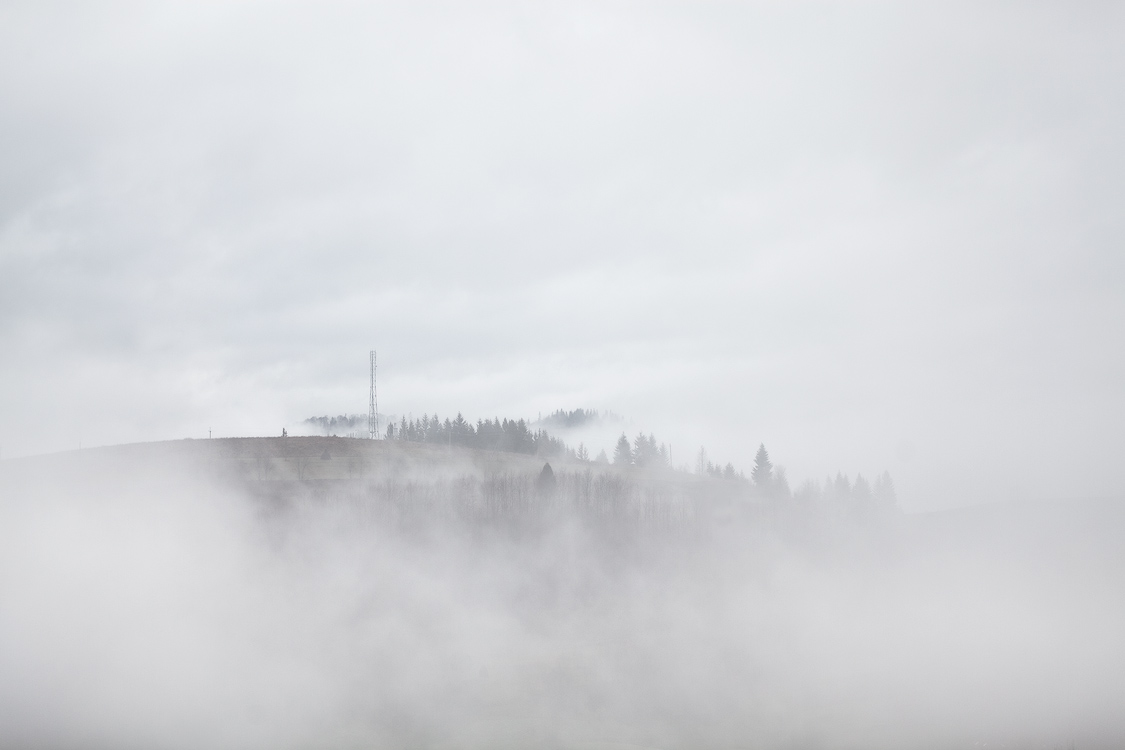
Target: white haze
<point x="141" y="606"/>
<point x="874" y="236"/>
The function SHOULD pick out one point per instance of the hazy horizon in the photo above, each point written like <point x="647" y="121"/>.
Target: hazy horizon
<point x="872" y="237"/>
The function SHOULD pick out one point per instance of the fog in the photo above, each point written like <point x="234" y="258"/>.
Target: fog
<point x="880" y="239"/>
<point x="147" y="601"/>
<point x="873" y="237"/>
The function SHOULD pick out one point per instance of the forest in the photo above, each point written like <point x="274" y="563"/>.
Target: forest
<point x="858" y="497"/>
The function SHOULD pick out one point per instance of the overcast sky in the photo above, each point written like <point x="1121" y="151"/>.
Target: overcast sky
<point x="870" y="237"/>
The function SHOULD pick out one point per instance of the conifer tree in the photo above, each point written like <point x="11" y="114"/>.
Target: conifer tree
<point x="622" y="454"/>
<point x="763" y="469"/>
<point x="861" y="490"/>
<point x="885" y="492"/>
<point x="781" y="484"/>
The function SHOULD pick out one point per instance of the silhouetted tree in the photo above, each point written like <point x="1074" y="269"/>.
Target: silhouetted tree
<point x="602" y="457"/>
<point x="645" y="451"/>
<point x="763" y="469"/>
<point x="546" y="482"/>
<point x="622" y="454"/>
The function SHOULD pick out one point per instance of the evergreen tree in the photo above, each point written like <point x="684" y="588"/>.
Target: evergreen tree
<point x="546" y="482"/>
<point x="582" y="454"/>
<point x="602" y="457"/>
<point x="885" y="492"/>
<point x="622" y="454"/>
<point x="645" y="452"/>
<point x="861" y="490"/>
<point x="763" y="469"/>
<point x="862" y="500"/>
<point x="781" y="484"/>
<point x="462" y="431"/>
<point x="701" y="462"/>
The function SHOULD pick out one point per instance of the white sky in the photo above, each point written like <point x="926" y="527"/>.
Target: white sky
<point x="870" y="237"/>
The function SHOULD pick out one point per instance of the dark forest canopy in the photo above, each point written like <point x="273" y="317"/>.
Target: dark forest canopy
<point x="511" y="435"/>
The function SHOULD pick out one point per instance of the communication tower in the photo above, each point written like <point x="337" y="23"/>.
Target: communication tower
<point x="373" y="411"/>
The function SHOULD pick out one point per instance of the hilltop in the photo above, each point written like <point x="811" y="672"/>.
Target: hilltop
<point x="392" y="479"/>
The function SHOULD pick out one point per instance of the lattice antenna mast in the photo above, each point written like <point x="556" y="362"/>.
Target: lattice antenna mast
<point x="373" y="411"/>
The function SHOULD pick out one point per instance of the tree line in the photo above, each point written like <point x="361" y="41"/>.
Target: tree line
<point x="518" y="436"/>
<point x="510" y="435"/>
<point x="351" y="425"/>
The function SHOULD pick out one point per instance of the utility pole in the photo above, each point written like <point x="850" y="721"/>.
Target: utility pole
<point x="373" y="410"/>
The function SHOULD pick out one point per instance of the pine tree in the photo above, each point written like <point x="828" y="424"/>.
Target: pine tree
<point x="640" y="450"/>
<point x="622" y="454"/>
<point x="885" y="492"/>
<point x="781" y="484"/>
<point x="645" y="452"/>
<point x="546" y="482"/>
<point x="763" y="469"/>
<point x="862" y="500"/>
<point x="602" y="457"/>
<point x="582" y="454"/>
<point x="861" y="490"/>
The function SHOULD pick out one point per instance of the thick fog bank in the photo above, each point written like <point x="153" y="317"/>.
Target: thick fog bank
<point x="156" y="609"/>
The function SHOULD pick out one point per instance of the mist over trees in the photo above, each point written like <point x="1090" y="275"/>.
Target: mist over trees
<point x="622" y="453"/>
<point x="704" y="467"/>
<point x="568" y="420"/>
<point x="433" y="593"/>
<point x="858" y="498"/>
<point x="351" y="425"/>
<point x="762" y="473"/>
